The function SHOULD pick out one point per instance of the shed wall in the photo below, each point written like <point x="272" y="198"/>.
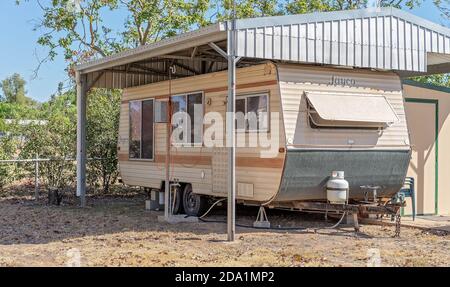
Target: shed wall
<point x="425" y="172"/>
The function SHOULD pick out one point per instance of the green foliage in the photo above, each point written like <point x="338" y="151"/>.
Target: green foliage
<point x="12" y="118"/>
<point x="16" y="111"/>
<point x="307" y="6"/>
<point x="152" y="20"/>
<point x="49" y="131"/>
<point x="7" y="150"/>
<point x="304" y="6"/>
<point x="54" y="139"/>
<point x="102" y="136"/>
<point x="11" y="142"/>
<point x="437" y="80"/>
<point x="13" y="88"/>
<point x="81" y="32"/>
<point x="247" y="8"/>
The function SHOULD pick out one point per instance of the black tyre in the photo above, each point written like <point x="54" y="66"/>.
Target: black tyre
<point x="193" y="204"/>
<point x="178" y="206"/>
<point x="178" y="194"/>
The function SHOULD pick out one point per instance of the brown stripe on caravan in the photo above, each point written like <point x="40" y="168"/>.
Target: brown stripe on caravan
<point x="176" y="159"/>
<point x="122" y="156"/>
<point x="243" y="86"/>
<point x="220" y="89"/>
<point x="154" y="97"/>
<point x="193" y="160"/>
<point x="260" y="162"/>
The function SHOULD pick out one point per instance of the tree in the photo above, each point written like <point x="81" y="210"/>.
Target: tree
<point x="307" y="6"/>
<point x="437" y="80"/>
<point x="246" y="9"/>
<point x="7" y="149"/>
<point x="15" y="111"/>
<point x="152" y="20"/>
<point x="81" y="33"/>
<point x="102" y="136"/>
<point x="13" y="88"/>
<point x="55" y="140"/>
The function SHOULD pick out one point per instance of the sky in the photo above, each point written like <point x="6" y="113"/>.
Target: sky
<point x="19" y="52"/>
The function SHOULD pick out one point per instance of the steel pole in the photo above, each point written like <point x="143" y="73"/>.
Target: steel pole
<point x="231" y="103"/>
<point x="81" y="137"/>
<point x="167" y="192"/>
<point x="167" y="204"/>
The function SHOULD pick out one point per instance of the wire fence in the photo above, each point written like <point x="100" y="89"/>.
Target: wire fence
<point x="36" y="161"/>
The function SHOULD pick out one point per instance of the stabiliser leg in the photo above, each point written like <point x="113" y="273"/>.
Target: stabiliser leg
<point x="261" y="219"/>
<point x="355" y="221"/>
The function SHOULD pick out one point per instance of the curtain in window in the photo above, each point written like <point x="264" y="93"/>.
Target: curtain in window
<point x="147" y="129"/>
<point x="192" y="106"/>
<point x="135" y="129"/>
<point x="195" y="111"/>
<point x="251" y="113"/>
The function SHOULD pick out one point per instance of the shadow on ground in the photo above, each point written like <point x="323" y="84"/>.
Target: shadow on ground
<point x="24" y="221"/>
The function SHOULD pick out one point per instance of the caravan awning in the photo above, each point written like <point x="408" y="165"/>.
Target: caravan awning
<point x="350" y="110"/>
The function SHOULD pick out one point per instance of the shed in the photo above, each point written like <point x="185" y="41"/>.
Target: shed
<point x="427" y="109"/>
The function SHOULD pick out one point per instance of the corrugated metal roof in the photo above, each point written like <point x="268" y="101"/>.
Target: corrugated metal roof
<point x="191" y="39"/>
<point x="377" y="38"/>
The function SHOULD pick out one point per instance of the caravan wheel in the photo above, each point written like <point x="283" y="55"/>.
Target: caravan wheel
<point x="178" y="195"/>
<point x="194" y="204"/>
<point x="177" y="207"/>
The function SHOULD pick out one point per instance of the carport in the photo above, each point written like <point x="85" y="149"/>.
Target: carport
<point x="375" y="38"/>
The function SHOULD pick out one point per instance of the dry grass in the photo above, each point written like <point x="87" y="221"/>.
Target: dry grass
<point x="119" y="232"/>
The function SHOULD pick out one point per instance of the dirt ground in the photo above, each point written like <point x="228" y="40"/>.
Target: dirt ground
<point x="119" y="232"/>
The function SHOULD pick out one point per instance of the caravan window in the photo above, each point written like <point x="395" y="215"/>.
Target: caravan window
<point x="350" y="111"/>
<point x="135" y="129"/>
<point x="141" y="129"/>
<point x="192" y="107"/>
<point x="252" y="112"/>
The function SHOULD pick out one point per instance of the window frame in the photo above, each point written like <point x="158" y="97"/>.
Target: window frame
<point x="186" y="94"/>
<point x="312" y="125"/>
<point x="250" y="95"/>
<point x="129" y="131"/>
